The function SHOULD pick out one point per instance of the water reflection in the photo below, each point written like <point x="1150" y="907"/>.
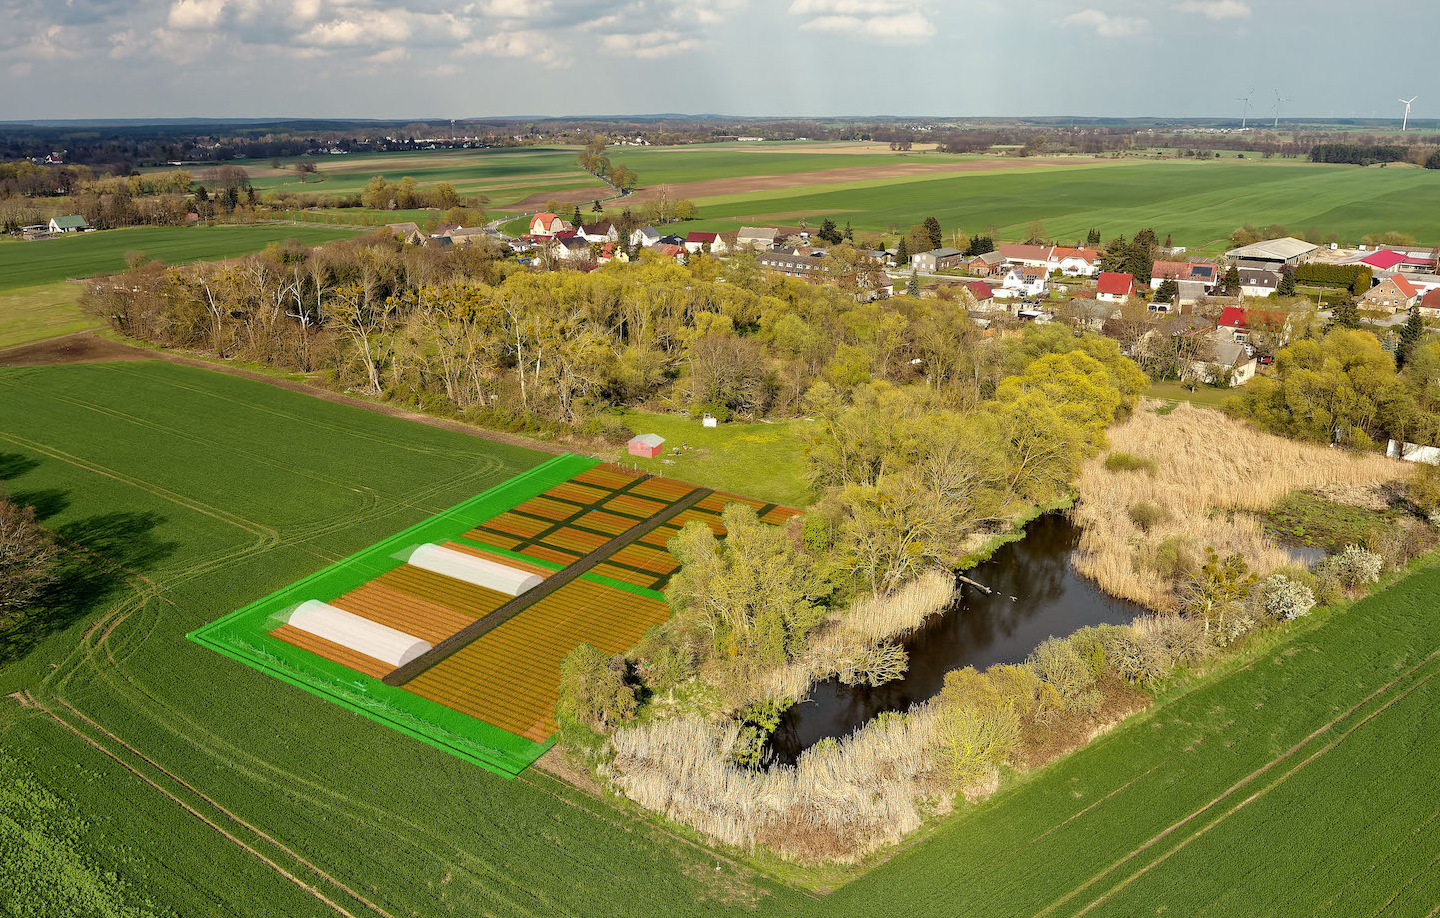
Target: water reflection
<point x="1037" y="594"/>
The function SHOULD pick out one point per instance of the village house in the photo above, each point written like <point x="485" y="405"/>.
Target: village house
<point x="1241" y="323"/>
<point x="1023" y="280"/>
<point x="408" y="232"/>
<point x="668" y="250"/>
<point x="645" y="236"/>
<point x="547" y="224"/>
<point x="984" y="265"/>
<point x="705" y="242"/>
<point x="805" y="267"/>
<point x="756" y="238"/>
<point x="1114" y="287"/>
<point x="1258" y="283"/>
<point x="1395" y="293"/>
<point x="73" y="223"/>
<point x="1430" y="305"/>
<point x="1230" y="363"/>
<point x="982" y="294"/>
<point x="938" y="260"/>
<point x="1030" y="256"/>
<point x="1183" y="271"/>
<point x="603" y="231"/>
<point x="1074" y="262"/>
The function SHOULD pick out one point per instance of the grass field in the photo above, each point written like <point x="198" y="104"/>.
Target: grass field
<point x="765" y="461"/>
<point x="174" y="781"/>
<point x="36" y="313"/>
<point x="28" y="264"/>
<point x="1202" y="397"/>
<point x="1198" y="203"/>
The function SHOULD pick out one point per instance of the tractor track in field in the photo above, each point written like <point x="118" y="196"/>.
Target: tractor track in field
<point x="212" y="820"/>
<point x="1294" y="750"/>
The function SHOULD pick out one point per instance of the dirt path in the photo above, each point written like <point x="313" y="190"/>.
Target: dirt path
<point x="710" y="188"/>
<point x="87" y="347"/>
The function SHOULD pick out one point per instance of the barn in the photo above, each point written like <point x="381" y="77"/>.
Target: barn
<point x="647" y="446"/>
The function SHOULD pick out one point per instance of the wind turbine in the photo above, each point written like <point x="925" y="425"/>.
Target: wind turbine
<point x="1245" y="109"/>
<point x="1406" y="123"/>
<point x="1279" y="100"/>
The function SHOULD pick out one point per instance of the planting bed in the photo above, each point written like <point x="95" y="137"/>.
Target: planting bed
<point x="486" y="684"/>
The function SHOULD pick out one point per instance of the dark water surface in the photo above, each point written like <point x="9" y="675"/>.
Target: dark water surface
<point x="1037" y="594"/>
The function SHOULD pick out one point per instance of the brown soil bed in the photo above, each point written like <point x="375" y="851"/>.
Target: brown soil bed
<point x="81" y="347"/>
<point x="711" y="188"/>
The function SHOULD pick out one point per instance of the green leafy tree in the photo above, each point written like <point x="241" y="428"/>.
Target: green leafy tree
<point x="1287" y="282"/>
<point x="1167" y="291"/>
<point x="979" y="727"/>
<point x="1218" y="593"/>
<point x="1092" y="238"/>
<point x="1345" y="315"/>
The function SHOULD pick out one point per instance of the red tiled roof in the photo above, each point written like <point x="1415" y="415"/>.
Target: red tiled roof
<point x="702" y="237"/>
<point x="1059" y="253"/>
<point x="1432" y="299"/>
<point x="1383" y="260"/>
<point x="1405" y="286"/>
<point x="1115" y="284"/>
<point x="1016" y="252"/>
<point x="982" y="290"/>
<point x="667" y="249"/>
<point x="1232" y="317"/>
<point x="1171" y="270"/>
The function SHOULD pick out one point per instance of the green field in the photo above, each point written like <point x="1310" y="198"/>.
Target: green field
<point x="758" y="460"/>
<point x="701" y="162"/>
<point x="1300" y="783"/>
<point x="27" y="264"/>
<point x="35" y="313"/>
<point x="1199" y="203"/>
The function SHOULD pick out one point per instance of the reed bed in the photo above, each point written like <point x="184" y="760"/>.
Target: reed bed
<point x="1205" y="464"/>
<point x="840" y="801"/>
<point x="844" y="635"/>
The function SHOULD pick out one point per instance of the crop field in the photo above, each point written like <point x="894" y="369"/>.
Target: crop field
<point x="46" y="261"/>
<point x="505" y="680"/>
<point x="1200" y="203"/>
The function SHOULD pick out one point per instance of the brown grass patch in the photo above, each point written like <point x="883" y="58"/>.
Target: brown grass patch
<point x="1208" y="464"/>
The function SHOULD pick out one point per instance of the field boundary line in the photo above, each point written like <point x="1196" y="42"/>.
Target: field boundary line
<point x="1252" y="776"/>
<point x="297" y="881"/>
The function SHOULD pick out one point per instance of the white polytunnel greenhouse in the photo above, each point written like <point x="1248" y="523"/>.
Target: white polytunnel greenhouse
<point x="471" y="569"/>
<point x="359" y="634"/>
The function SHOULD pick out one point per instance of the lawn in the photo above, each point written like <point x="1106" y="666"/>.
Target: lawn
<point x="1202" y="397"/>
<point x="156" y="777"/>
<point x="765" y="461"/>
<point x="1198" y="203"/>
<point x="46" y="261"/>
<point x="36" y="313"/>
<point x="194" y="493"/>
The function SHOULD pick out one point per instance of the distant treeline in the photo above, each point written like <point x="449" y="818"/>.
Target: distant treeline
<point x="1357" y="154"/>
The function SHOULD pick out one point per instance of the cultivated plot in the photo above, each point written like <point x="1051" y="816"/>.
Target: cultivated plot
<point x="453" y="631"/>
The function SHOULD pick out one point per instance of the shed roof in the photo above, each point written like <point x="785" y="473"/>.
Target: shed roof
<point x="71" y="221"/>
<point x="1275" y="249"/>
<point x="648" y="440"/>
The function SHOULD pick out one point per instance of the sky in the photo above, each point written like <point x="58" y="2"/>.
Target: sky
<point x="414" y="59"/>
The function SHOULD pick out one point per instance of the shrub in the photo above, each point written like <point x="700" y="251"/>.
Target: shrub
<point x="1352" y="567"/>
<point x="1147" y="515"/>
<point x="1058" y="662"/>
<point x="978" y="727"/>
<point x="1281" y="597"/>
<point x="876" y="664"/>
<point x="594" y="690"/>
<point x="1119" y="461"/>
<point x="1172" y="559"/>
<point x="608" y="428"/>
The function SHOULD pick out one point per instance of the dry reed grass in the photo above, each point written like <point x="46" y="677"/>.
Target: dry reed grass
<point x="1207" y="462"/>
<point x="843" y="636"/>
<point x="840" y="801"/>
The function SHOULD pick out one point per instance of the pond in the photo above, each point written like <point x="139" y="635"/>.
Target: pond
<point x="1037" y="594"/>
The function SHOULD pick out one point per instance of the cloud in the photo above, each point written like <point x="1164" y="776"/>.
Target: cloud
<point x="1107" y="26"/>
<point x="533" y="45"/>
<point x="1217" y="9"/>
<point x="891" y="22"/>
<point x="648" y="45"/>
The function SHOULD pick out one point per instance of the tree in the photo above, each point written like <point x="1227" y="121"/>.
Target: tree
<point x="933" y="233"/>
<point x="979" y="726"/>
<point x="594" y="690"/>
<point x="1092" y="238"/>
<point x="1411" y="334"/>
<point x="1035" y="233"/>
<point x="1169" y="241"/>
<point x="1231" y="283"/>
<point x="28" y="560"/>
<point x="912" y="286"/>
<point x="1167" y="291"/>
<point x="304" y="168"/>
<point x="596" y="208"/>
<point x="1218" y="592"/>
<point x="1287" y="282"/>
<point x="1345" y="315"/>
<point x="849" y="234"/>
<point x="828" y="232"/>
<point x="902" y="253"/>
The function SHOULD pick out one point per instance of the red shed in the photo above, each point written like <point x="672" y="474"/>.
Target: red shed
<point x="647" y="446"/>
